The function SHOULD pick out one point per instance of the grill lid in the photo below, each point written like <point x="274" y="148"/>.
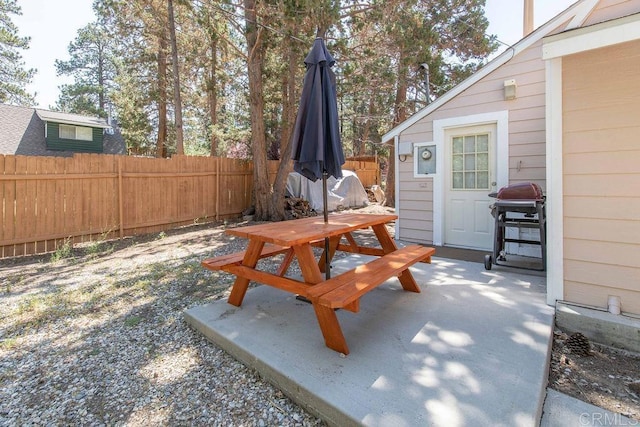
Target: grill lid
<point x="520" y="191"/>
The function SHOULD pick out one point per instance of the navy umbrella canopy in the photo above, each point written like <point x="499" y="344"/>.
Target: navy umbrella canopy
<point x="317" y="147"/>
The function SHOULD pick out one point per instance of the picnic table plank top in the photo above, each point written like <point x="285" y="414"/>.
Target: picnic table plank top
<point x="305" y="230"/>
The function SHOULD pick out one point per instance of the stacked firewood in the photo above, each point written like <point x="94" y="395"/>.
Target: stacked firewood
<point x="295" y="207"/>
<point x="376" y="195"/>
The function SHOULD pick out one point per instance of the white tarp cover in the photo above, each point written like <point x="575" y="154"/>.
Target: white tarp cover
<point x="346" y="192"/>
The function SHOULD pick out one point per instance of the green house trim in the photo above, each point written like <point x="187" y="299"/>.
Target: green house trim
<point x="54" y="142"/>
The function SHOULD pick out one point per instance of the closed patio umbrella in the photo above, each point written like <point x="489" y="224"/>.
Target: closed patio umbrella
<point x="317" y="148"/>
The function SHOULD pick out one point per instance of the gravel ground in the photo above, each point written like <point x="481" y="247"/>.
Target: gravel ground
<point x="97" y="337"/>
<point x="604" y="376"/>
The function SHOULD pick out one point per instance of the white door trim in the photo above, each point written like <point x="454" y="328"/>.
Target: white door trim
<point x="501" y="120"/>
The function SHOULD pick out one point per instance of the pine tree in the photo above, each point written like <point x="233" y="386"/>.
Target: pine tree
<point x="240" y="65"/>
<point x="140" y="40"/>
<point x="14" y="78"/>
<point x="446" y="35"/>
<point x="92" y="66"/>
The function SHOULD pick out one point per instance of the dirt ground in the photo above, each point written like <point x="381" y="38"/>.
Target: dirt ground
<point x="608" y="378"/>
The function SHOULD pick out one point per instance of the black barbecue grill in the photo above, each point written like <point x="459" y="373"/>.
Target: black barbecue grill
<point x="518" y="206"/>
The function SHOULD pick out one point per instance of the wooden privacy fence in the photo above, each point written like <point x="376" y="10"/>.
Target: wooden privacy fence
<point x="47" y="200"/>
<point x="368" y="172"/>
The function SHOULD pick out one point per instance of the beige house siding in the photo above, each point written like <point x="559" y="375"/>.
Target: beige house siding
<point x="526" y="136"/>
<point x="417" y="208"/>
<point x="416" y="213"/>
<point x="601" y="164"/>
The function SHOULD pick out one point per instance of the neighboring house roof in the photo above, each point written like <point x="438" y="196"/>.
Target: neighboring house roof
<point x="22" y="131"/>
<point x="573" y="17"/>
<point x="72" y="119"/>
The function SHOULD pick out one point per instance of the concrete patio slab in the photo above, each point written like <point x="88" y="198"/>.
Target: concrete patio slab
<point x="561" y="410"/>
<point x="471" y="349"/>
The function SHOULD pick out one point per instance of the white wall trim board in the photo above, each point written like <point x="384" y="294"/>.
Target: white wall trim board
<point x="554" y="195"/>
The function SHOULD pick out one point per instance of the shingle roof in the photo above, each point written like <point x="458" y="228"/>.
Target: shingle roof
<point x="22" y="131"/>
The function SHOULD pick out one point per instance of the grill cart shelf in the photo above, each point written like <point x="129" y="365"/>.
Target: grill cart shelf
<point x="520" y="214"/>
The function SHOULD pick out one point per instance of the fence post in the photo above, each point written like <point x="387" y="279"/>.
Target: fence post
<point x="120" y="201"/>
<point x="217" y="188"/>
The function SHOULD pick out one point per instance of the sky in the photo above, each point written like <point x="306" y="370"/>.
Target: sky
<point x="52" y="25"/>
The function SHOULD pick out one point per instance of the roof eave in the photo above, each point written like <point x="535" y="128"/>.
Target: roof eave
<point x="603" y="34"/>
<point x="89" y="122"/>
<point x="575" y="9"/>
<point x="469" y="81"/>
<point x="78" y="123"/>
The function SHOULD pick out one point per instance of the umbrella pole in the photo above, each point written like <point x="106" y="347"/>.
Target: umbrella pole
<point x="327" y="266"/>
<point x="324" y="196"/>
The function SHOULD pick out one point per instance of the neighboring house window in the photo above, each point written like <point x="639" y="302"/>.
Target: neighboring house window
<point x="470" y="162"/>
<point x="76" y="132"/>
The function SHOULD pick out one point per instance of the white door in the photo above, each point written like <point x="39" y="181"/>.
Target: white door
<point x="469" y="178"/>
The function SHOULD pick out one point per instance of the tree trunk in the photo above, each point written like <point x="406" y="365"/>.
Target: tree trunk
<point x="400" y="107"/>
<point x="177" y="100"/>
<point x="362" y="149"/>
<point x="288" y="121"/>
<point x="101" y="79"/>
<point x="261" y="186"/>
<point x="162" y="97"/>
<point x="213" y="95"/>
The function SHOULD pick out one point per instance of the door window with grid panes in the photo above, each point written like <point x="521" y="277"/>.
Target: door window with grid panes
<point x="470" y="162"/>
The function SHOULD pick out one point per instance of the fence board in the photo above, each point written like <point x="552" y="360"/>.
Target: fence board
<point x="8" y="231"/>
<point x="47" y="202"/>
<point x="22" y="215"/>
<point x="85" y="207"/>
<point x="35" y="222"/>
<point x="368" y="172"/>
<point x="92" y="196"/>
<point x="74" y="195"/>
<point x="60" y="210"/>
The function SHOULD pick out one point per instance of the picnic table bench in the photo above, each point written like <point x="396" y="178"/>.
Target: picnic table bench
<point x="343" y="291"/>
